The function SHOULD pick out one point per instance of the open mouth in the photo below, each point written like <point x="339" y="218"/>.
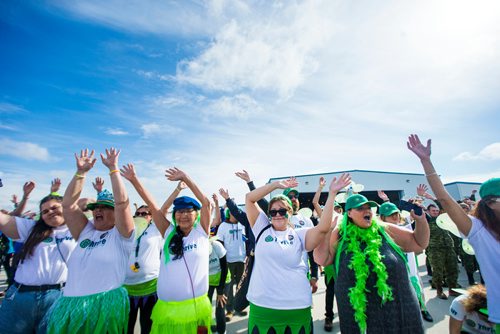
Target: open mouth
<point x="98" y="216"/>
<point x="367" y="218"/>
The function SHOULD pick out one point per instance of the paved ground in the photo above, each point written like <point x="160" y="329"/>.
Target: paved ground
<point x="437" y="307"/>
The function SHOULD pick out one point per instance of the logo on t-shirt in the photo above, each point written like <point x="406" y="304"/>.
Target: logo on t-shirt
<point x="190" y="247"/>
<point x="48" y="240"/>
<point x="89" y="244"/>
<point x="269" y="238"/>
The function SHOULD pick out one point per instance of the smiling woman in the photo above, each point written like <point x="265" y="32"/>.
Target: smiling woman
<point x="94" y="300"/>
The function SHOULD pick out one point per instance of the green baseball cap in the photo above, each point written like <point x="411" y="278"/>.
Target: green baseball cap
<point x="357" y="200"/>
<point x="388" y="209"/>
<point x="289" y="190"/>
<point x="490" y="188"/>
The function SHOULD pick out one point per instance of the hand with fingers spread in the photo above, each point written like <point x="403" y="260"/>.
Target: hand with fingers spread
<point x="288" y="183"/>
<point x="55" y="184"/>
<point x="338" y="184"/>
<point x="128" y="172"/>
<point x="382" y="195"/>
<point x="175" y="174"/>
<point x="221" y="300"/>
<point x="111" y="159"/>
<point x="85" y="161"/>
<point x="243" y="175"/>
<point x="421" y="190"/>
<point x="224" y="193"/>
<point x="98" y="184"/>
<point x="422" y="151"/>
<point x="322" y="182"/>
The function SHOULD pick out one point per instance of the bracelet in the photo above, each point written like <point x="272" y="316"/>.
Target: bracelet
<point x="80" y="176"/>
<point x="122" y="202"/>
<point x="431" y="174"/>
<point x="114" y="171"/>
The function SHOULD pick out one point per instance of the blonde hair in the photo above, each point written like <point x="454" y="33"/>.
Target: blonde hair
<point x="286" y="202"/>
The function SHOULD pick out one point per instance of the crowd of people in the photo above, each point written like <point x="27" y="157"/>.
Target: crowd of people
<point x="88" y="265"/>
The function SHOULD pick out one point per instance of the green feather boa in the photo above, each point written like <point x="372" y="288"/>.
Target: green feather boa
<point x="354" y="236"/>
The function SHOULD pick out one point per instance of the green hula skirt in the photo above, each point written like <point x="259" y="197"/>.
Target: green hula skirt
<point x="264" y="318"/>
<point x="105" y="312"/>
<point x="181" y="317"/>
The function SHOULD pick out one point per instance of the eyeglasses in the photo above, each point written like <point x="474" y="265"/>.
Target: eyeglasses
<point x="291" y="196"/>
<point x="52" y="208"/>
<point x="142" y="214"/>
<point x="185" y="211"/>
<point x="282" y="212"/>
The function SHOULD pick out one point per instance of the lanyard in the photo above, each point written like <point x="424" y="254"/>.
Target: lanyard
<point x="137" y="247"/>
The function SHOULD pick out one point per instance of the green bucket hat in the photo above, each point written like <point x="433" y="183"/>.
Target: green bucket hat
<point x="490" y="188"/>
<point x="103" y="198"/>
<point x="388" y="209"/>
<point x="357" y="200"/>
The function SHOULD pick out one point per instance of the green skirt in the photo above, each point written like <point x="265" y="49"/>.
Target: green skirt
<point x="264" y="318"/>
<point x="181" y="317"/>
<point x="105" y="312"/>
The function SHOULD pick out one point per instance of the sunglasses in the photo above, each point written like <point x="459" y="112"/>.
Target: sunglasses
<point x="142" y="214"/>
<point x="282" y="212"/>
<point x="291" y="196"/>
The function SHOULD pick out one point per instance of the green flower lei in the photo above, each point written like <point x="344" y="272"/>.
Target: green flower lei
<point x="354" y="236"/>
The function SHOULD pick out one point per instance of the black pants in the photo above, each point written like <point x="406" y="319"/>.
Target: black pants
<point x="220" y="314"/>
<point x="236" y="269"/>
<point x="145" y="304"/>
<point x="329" y="297"/>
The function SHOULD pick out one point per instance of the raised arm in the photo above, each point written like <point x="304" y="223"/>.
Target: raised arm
<point x="124" y="221"/>
<point x="383" y="196"/>
<point x="233" y="208"/>
<point x="316" y="235"/>
<point x="55" y="185"/>
<point x="175" y="174"/>
<point x="98" y="184"/>
<point x="315" y="200"/>
<point x="8" y="226"/>
<point x="73" y="216"/>
<point x="252" y="209"/>
<point x="411" y="241"/>
<point x="263" y="203"/>
<point x="217" y="217"/>
<point x="161" y="222"/>
<point x="170" y="200"/>
<point x="21" y="206"/>
<point x="454" y="210"/>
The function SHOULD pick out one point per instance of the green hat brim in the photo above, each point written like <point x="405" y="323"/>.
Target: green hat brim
<point x="91" y="206"/>
<point x="372" y="204"/>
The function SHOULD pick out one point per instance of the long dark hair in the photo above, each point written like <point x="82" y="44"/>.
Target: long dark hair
<point x="485" y="214"/>
<point x="176" y="245"/>
<point x="39" y="232"/>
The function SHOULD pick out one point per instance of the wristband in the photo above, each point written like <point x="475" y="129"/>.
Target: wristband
<point x="114" y="171"/>
<point x="80" y="176"/>
<point x="431" y="174"/>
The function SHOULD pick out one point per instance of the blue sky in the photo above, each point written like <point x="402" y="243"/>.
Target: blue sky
<point x="274" y="87"/>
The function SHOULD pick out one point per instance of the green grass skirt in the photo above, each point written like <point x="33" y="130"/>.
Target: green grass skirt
<point x="264" y="318"/>
<point x="181" y="317"/>
<point x="105" y="312"/>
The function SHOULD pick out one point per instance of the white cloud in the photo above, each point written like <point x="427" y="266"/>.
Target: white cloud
<point x="116" y="132"/>
<point x="23" y="150"/>
<point x="154" y="129"/>
<point x="9" y="108"/>
<point x="7" y="127"/>
<point x="490" y="152"/>
<point x="240" y="106"/>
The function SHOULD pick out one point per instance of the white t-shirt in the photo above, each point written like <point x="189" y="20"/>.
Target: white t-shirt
<point x="218" y="251"/>
<point x="472" y="323"/>
<point x="174" y="283"/>
<point x="99" y="261"/>
<point x="487" y="250"/>
<point x="233" y="236"/>
<point x="279" y="278"/>
<point x="150" y="248"/>
<point x="300" y="222"/>
<point x="46" y="265"/>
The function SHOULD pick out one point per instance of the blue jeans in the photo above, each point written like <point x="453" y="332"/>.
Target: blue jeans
<point x="23" y="312"/>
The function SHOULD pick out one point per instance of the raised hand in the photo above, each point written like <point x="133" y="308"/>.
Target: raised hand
<point x="421" y="190"/>
<point x="322" y="182"/>
<point x="14" y="199"/>
<point x="181" y="186"/>
<point x="288" y="183"/>
<point x="224" y="193"/>
<point x="28" y="188"/>
<point x="420" y="150"/>
<point x="111" y="159"/>
<point x="243" y="175"/>
<point x="215" y="199"/>
<point x="175" y="174"/>
<point x="55" y="184"/>
<point x="338" y="184"/>
<point x="128" y="172"/>
<point x="382" y="195"/>
<point x="98" y="184"/>
<point x="85" y="161"/>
